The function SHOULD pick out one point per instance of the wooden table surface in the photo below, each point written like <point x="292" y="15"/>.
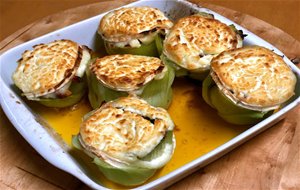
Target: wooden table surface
<point x="269" y="161"/>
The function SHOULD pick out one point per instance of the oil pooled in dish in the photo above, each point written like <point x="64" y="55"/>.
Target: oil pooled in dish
<point x="198" y="128"/>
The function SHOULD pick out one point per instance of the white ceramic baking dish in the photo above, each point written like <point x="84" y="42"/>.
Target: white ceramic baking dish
<point x="33" y="130"/>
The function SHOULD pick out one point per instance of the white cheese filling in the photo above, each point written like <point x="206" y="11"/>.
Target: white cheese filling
<point x="86" y="56"/>
<point x="136" y="43"/>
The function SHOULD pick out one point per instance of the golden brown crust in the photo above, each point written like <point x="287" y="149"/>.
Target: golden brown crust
<point x="126" y="72"/>
<point x="47" y="67"/>
<point x="254" y="77"/>
<point x="129" y="23"/>
<point x="194" y="40"/>
<point x="125" y="129"/>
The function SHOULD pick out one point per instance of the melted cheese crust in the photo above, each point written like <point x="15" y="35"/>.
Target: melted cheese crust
<point x="254" y="77"/>
<point x="126" y="72"/>
<point x="125" y="130"/>
<point x="125" y="24"/>
<point x="47" y="67"/>
<point x="64" y="90"/>
<point x="194" y="40"/>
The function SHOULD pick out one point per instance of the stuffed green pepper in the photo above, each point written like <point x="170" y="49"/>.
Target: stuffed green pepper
<point x="114" y="76"/>
<point x="127" y="139"/>
<point x="53" y="74"/>
<point x="194" y="40"/>
<point x="134" y="30"/>
<point x="247" y="84"/>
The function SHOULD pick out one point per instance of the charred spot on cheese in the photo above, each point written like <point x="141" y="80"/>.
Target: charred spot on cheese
<point x="133" y="26"/>
<point x="194" y="40"/>
<point x="126" y="72"/>
<point x="252" y="79"/>
<point x="47" y="70"/>
<point x="124" y="130"/>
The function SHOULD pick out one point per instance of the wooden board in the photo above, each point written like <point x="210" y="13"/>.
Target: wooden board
<point x="269" y="161"/>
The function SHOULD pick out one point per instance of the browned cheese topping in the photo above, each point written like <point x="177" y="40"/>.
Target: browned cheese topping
<point x="194" y="40"/>
<point x="126" y="72"/>
<point x="125" y="130"/>
<point x="125" y="24"/>
<point x="47" y="67"/>
<point x="254" y="77"/>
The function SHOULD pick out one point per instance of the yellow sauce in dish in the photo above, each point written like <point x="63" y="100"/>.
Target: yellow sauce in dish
<point x="198" y="129"/>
